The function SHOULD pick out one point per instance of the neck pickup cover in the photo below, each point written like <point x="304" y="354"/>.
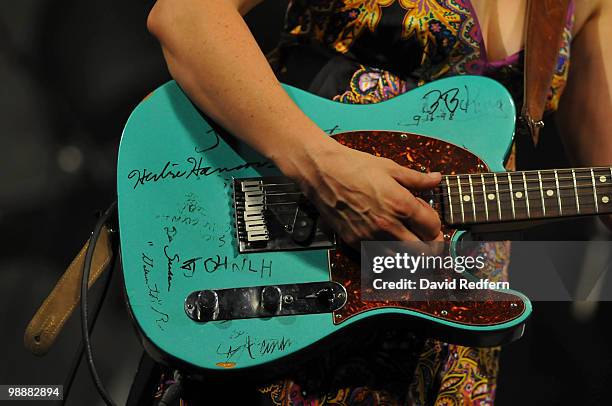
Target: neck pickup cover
<point x="272" y="214"/>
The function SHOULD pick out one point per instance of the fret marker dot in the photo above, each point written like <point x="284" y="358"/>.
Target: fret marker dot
<point x="605" y="199"/>
<point x="466" y="198"/>
<point x="491" y="196"/>
<point x="519" y="195"/>
<point x="602" y="179"/>
<point x="549" y="193"/>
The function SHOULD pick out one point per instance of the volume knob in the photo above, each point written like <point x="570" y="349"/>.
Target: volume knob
<point x="207" y="305"/>
<point x="326" y="297"/>
<point x="271" y="299"/>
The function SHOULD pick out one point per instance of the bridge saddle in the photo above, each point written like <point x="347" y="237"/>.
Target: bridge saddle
<point x="271" y="214"/>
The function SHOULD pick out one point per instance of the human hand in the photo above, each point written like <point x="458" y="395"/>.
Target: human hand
<point x="364" y="197"/>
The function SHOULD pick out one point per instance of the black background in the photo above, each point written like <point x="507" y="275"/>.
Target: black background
<point x="70" y="73"/>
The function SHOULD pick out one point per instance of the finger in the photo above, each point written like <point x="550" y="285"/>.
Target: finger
<point x="416" y="213"/>
<point x="433" y="247"/>
<point x="438" y="245"/>
<point x="414" y="180"/>
<point x="394" y="230"/>
<point x="424" y="221"/>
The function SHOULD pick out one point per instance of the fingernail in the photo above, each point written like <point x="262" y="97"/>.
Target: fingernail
<point x="434" y="175"/>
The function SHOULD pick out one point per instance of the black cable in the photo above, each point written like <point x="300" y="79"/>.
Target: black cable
<point x="84" y="322"/>
<point x="78" y="354"/>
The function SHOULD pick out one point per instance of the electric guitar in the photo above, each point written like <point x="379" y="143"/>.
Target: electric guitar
<point x="226" y="266"/>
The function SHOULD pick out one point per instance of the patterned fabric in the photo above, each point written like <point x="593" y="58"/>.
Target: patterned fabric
<point x="389" y="47"/>
<point x="368" y="51"/>
<point x="374" y="373"/>
<point x="418" y="40"/>
<point x="372" y="85"/>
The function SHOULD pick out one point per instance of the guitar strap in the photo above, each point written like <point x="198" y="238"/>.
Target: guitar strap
<point x="45" y="326"/>
<point x="544" y="30"/>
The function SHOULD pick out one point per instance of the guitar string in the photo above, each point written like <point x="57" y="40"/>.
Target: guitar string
<point x="516" y="202"/>
<point x="515" y="189"/>
<point x="501" y="181"/>
<point x="520" y="215"/>
<point x="570" y="204"/>
<point x="480" y="192"/>
<point x="521" y="212"/>
<point x="518" y="178"/>
<point x="505" y="200"/>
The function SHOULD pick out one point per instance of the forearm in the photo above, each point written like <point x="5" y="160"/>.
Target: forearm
<point x="213" y="56"/>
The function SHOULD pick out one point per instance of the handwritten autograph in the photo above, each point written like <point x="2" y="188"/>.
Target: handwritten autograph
<point x="163" y="319"/>
<point x="253" y="348"/>
<point x="147" y="268"/>
<point x="195" y="168"/>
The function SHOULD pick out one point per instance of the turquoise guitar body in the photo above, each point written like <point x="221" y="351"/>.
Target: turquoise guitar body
<point x="177" y="233"/>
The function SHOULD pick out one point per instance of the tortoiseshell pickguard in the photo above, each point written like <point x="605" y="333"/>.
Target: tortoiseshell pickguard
<point x="420" y="153"/>
<point x="414" y="151"/>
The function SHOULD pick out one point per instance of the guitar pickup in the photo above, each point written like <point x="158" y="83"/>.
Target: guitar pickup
<point x="272" y="214"/>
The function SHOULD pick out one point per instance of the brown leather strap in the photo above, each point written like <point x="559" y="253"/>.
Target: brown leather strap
<point x="544" y="32"/>
<point x="48" y="321"/>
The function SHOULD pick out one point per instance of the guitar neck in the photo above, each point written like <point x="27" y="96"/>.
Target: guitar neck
<point x="525" y="195"/>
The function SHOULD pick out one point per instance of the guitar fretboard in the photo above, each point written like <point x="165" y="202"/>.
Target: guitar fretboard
<point x="508" y="196"/>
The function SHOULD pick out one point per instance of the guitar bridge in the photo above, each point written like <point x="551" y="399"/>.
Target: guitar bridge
<point x="272" y="214"/>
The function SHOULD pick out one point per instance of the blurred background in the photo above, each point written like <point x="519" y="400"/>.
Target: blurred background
<point x="71" y="71"/>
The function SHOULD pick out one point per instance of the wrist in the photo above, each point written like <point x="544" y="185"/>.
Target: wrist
<point x="299" y="159"/>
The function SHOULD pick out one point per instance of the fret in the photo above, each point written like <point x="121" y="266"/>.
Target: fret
<point x="472" y="194"/>
<point x="491" y="197"/>
<point x="542" y="194"/>
<point x="511" y="196"/>
<point x="549" y="193"/>
<point x="570" y="196"/>
<point x="571" y="187"/>
<point x="595" y="198"/>
<point x="533" y="194"/>
<point x="558" y="193"/>
<point x="576" y="191"/>
<point x="484" y="196"/>
<point x="517" y="184"/>
<point x="461" y="199"/>
<point x="587" y="190"/>
<point x="450" y="200"/>
<point x="497" y="194"/>
<point x="526" y="195"/>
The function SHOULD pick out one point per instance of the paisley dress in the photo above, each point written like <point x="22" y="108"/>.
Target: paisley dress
<point x="368" y="51"/>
